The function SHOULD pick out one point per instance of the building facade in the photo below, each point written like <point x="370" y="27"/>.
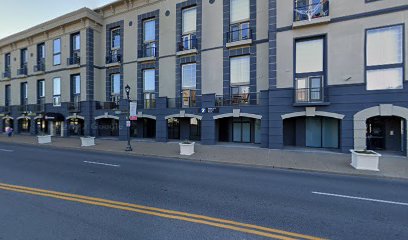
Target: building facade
<point x="273" y="73"/>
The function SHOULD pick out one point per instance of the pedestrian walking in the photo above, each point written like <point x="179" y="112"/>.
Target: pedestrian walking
<point x="10" y="132"/>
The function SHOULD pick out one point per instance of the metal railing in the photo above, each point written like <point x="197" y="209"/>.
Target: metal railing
<point x="237" y="99"/>
<point x="5" y="109"/>
<point x="23" y="108"/>
<point x="239" y="35"/>
<point x="147" y="104"/>
<point x="38" y="108"/>
<point x="309" y="95"/>
<point x="7" y="74"/>
<point x="74" y="107"/>
<point x="187" y="44"/>
<point x="40" y="67"/>
<point x="148" y="50"/>
<point x="75" y="60"/>
<point x="182" y="102"/>
<point x="311" y="11"/>
<point x="22" y="71"/>
<point x="107" y="105"/>
<point x="113" y="57"/>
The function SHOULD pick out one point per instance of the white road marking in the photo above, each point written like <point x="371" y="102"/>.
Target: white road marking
<point x="104" y="164"/>
<point x="361" y="198"/>
<point x="6" y="150"/>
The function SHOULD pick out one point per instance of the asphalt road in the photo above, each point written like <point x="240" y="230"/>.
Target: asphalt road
<point x="313" y="204"/>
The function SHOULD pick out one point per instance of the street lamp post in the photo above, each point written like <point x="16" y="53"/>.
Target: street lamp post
<point x="129" y="147"/>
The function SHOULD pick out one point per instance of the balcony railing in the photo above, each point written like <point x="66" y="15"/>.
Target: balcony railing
<point x="23" y="108"/>
<point x="310" y="95"/>
<point x="113" y="57"/>
<point x="148" y="50"/>
<point x="107" y="105"/>
<point x="38" y="108"/>
<point x="312" y="11"/>
<point x="239" y="34"/>
<point x="40" y="67"/>
<point x="237" y="99"/>
<point x="22" y="71"/>
<point x="75" y="60"/>
<point x="147" y="104"/>
<point x="7" y="74"/>
<point x="187" y="44"/>
<point x="183" y="102"/>
<point x="74" y="107"/>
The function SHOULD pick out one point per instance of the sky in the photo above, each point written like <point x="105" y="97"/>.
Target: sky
<point x="18" y="15"/>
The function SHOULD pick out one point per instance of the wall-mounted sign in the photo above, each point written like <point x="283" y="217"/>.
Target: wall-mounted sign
<point x="209" y="110"/>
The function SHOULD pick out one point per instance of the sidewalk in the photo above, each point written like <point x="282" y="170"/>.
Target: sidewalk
<point x="390" y="166"/>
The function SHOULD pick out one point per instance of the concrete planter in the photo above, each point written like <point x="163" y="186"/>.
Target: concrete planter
<point x="187" y="149"/>
<point x="87" y="141"/>
<point x="365" y="160"/>
<point x="44" y="139"/>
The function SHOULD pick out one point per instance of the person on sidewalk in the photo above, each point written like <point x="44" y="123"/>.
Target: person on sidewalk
<point x="10" y="132"/>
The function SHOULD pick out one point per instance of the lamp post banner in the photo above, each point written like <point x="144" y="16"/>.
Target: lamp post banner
<point x="133" y="111"/>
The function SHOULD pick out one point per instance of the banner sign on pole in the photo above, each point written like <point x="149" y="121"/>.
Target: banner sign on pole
<point x="133" y="111"/>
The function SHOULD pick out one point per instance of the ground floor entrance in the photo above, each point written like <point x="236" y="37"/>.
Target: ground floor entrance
<point x="314" y="132"/>
<point x="239" y="130"/>
<point x="184" y="128"/>
<point x="143" y="128"/>
<point x="108" y="127"/>
<point x="75" y="127"/>
<point x="24" y="125"/>
<point x="386" y="133"/>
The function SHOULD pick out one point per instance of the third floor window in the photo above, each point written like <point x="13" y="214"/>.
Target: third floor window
<point x="57" y="51"/>
<point x="239" y="20"/>
<point x="7" y="62"/>
<point x="189" y="28"/>
<point x="40" y="52"/>
<point x="149" y="38"/>
<point x="115" y="39"/>
<point x="23" y="58"/>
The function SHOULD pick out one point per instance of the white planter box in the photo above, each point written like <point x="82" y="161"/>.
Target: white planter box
<point x="87" y="141"/>
<point x="186" y="149"/>
<point x="44" y="139"/>
<point x="365" y="161"/>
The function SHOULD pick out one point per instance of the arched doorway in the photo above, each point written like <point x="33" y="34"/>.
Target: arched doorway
<point x="239" y="130"/>
<point x="313" y="132"/>
<point x="381" y="127"/>
<point x="107" y="127"/>
<point x="8" y="122"/>
<point x="76" y="126"/>
<point x="41" y="126"/>
<point x="180" y="128"/>
<point x="386" y="133"/>
<point x="24" y="125"/>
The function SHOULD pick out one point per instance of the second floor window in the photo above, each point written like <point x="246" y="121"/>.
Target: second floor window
<point x="41" y="89"/>
<point x="189" y="84"/>
<point x="385" y="64"/>
<point x="57" y="51"/>
<point x="240" y="79"/>
<point x="189" y="28"/>
<point x="239" y="23"/>
<point x="149" y="38"/>
<point x="57" y="91"/>
<point x="24" y="93"/>
<point x="75" y="88"/>
<point x="309" y="70"/>
<point x="310" y="9"/>
<point x="115" y="87"/>
<point x="149" y="88"/>
<point x="7" y="94"/>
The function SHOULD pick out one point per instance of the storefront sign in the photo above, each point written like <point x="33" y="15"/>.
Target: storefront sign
<point x="209" y="110"/>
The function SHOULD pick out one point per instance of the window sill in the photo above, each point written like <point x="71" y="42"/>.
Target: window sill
<point x="239" y="43"/>
<point x="187" y="52"/>
<point x="146" y="59"/>
<point x="21" y="76"/>
<point x="38" y="73"/>
<point x="314" y="21"/>
<point x="109" y="65"/>
<point x="306" y="104"/>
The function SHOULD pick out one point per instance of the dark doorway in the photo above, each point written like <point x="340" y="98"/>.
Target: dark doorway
<point x="143" y="128"/>
<point x="108" y="127"/>
<point x="41" y="126"/>
<point x="173" y="128"/>
<point x="385" y="133"/>
<point x="239" y="130"/>
<point x="75" y="127"/>
<point x="24" y="125"/>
